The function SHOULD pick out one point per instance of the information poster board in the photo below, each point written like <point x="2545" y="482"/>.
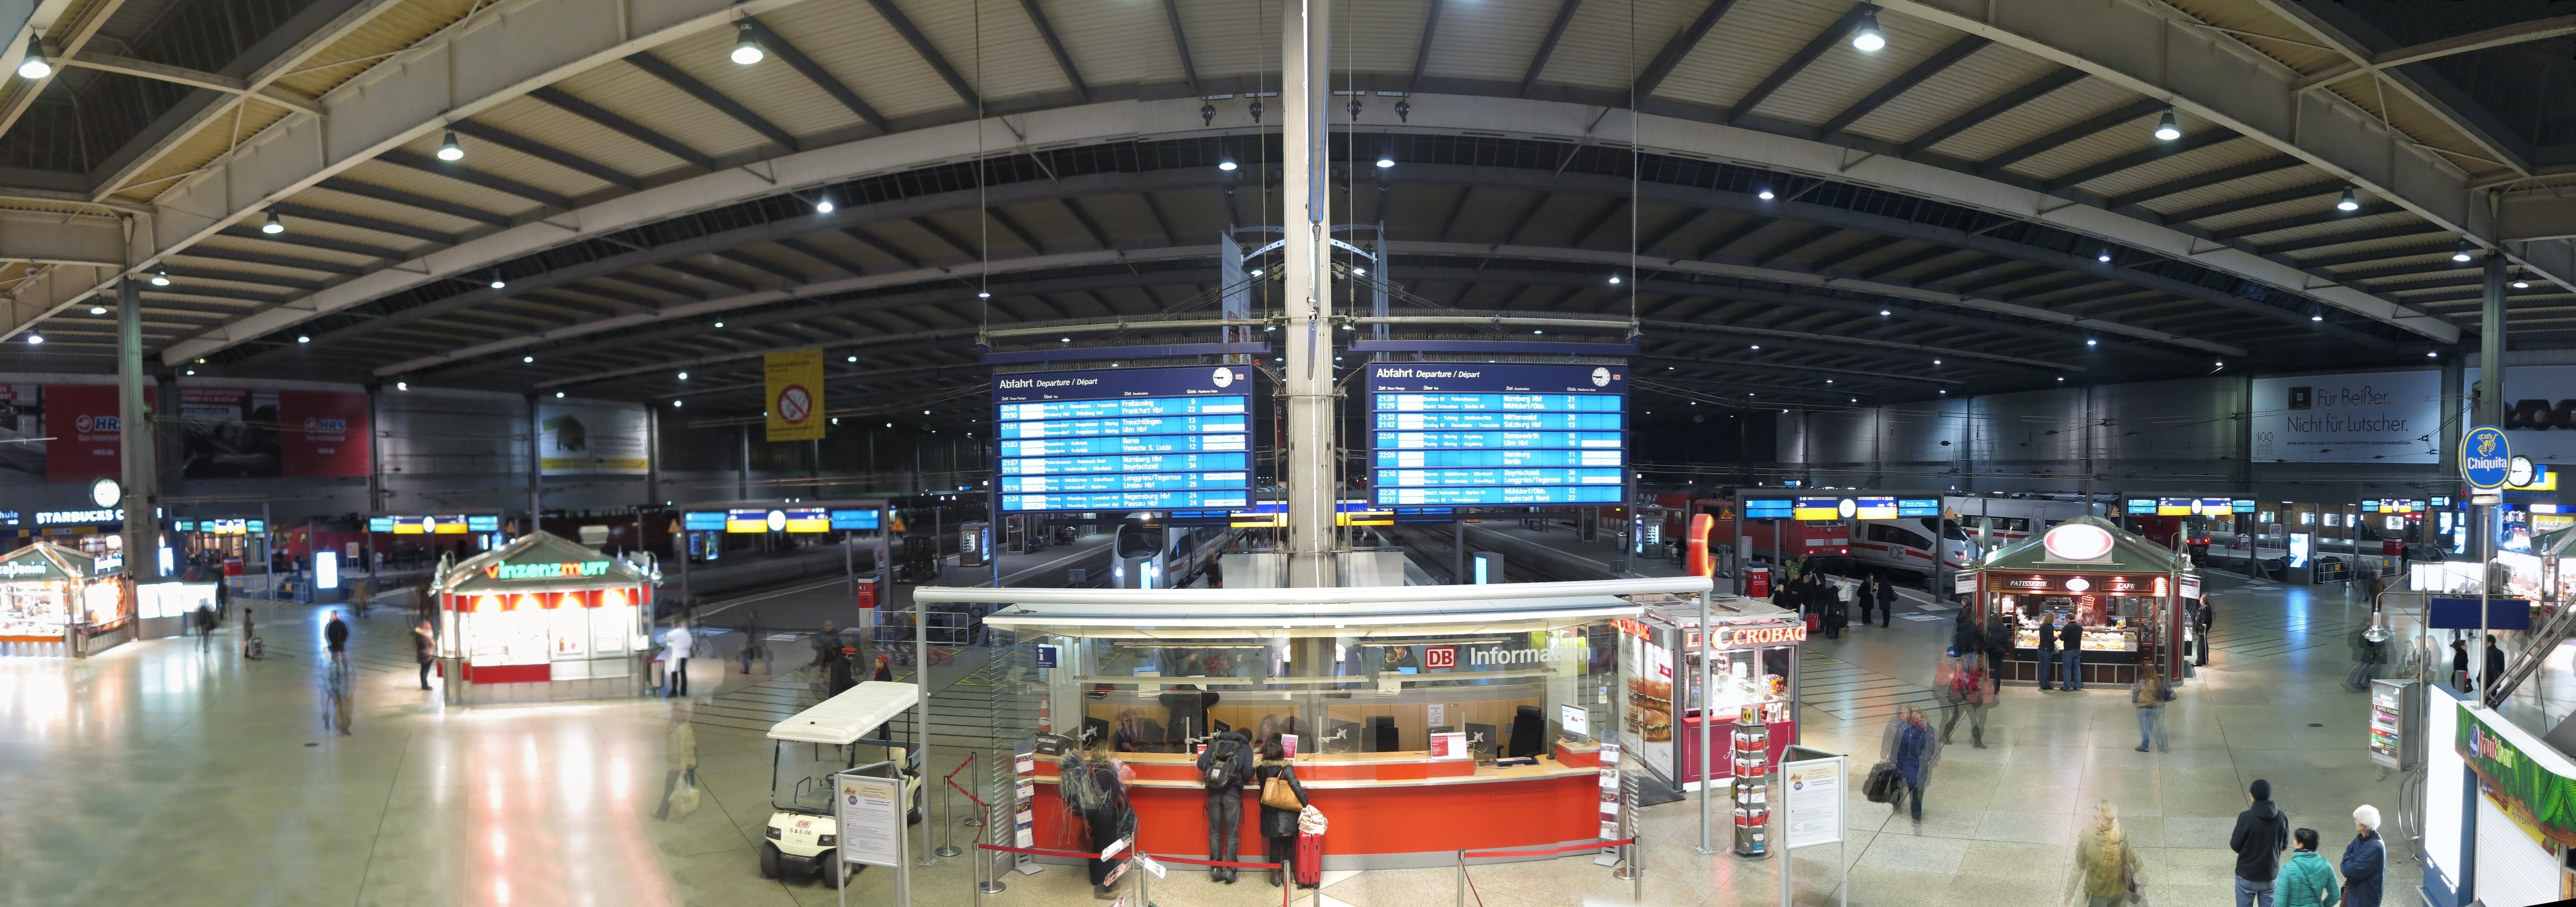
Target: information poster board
<point x="1814" y="789"/>
<point x="1124" y="438"/>
<point x="870" y="812"/>
<point x="1472" y="434"/>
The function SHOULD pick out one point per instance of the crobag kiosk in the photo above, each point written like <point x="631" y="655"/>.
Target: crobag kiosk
<point x="541" y="619"/>
<point x="2125" y="591"/>
<point x="56" y="601"/>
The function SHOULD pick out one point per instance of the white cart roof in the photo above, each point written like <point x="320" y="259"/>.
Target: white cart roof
<point x="849" y="716"/>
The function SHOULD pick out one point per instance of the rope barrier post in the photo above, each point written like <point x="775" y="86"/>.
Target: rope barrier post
<point x="976" y="820"/>
<point x="1462" y="876"/>
<point x="984" y="856"/>
<point x="1144" y="888"/>
<point x="991" y="882"/>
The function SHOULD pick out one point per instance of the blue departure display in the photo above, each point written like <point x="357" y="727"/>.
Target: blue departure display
<point x="1124" y="439"/>
<point x="1474" y="434"/>
<point x="1770" y="508"/>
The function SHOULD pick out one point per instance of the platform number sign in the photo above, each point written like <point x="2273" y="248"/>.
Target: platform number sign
<point x="1437" y="657"/>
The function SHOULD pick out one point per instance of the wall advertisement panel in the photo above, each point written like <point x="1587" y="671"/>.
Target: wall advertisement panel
<point x="2375" y="417"/>
<point x="591" y="439"/>
<point x="22" y="425"/>
<point x="2539" y="410"/>
<point x="259" y="433"/>
<point x="83" y="422"/>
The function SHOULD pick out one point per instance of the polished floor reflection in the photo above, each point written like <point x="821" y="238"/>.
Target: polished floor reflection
<point x="167" y="772"/>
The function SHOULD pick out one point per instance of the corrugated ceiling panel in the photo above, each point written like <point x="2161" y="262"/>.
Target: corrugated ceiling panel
<point x="1234" y="38"/>
<point x="2165" y="170"/>
<point x="269" y="248"/>
<point x="1844" y="74"/>
<point x="2322" y="203"/>
<point x="853" y="43"/>
<point x="438" y="187"/>
<point x="2234" y="189"/>
<point x="1016" y="61"/>
<point x="196" y="150"/>
<point x="2345" y="225"/>
<point x="1488" y="40"/>
<point x="636" y="95"/>
<point x="2043" y="115"/>
<point x="392" y="30"/>
<point x="1984" y="76"/>
<point x="2256" y="21"/>
<point x="771" y="89"/>
<point x="382" y="210"/>
<point x="488" y="158"/>
<point x="304" y="227"/>
<point x="2397" y="242"/>
<point x="1747" y="43"/>
<point x="2440" y="273"/>
<point x="1116" y="42"/>
<point x="540" y="121"/>
<point x="2127" y="138"/>
<point x="1382" y="36"/>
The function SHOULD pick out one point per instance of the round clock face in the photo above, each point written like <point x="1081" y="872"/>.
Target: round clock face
<point x="105" y="493"/>
<point x="2517" y="473"/>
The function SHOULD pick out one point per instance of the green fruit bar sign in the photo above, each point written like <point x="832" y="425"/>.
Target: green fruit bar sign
<point x="2535" y="796"/>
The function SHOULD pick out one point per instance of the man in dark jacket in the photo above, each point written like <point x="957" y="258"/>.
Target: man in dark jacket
<point x="2495" y="666"/>
<point x="1999" y="643"/>
<point x="1867" y="597"/>
<point x="1222" y="769"/>
<point x="2262" y="832"/>
<point x="335" y="635"/>
<point x="2047" y="648"/>
<point x="1886" y="601"/>
<point x="2200" y="620"/>
<point x="2070" y="649"/>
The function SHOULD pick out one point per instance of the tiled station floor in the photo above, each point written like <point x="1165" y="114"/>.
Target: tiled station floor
<point x="162" y="773"/>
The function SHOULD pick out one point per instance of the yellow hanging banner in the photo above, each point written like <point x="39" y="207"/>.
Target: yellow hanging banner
<point x="795" y="382"/>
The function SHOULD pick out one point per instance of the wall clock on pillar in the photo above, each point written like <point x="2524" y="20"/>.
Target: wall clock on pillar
<point x="105" y="493"/>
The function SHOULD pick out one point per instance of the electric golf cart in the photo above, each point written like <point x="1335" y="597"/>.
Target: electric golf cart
<point x="828" y="739"/>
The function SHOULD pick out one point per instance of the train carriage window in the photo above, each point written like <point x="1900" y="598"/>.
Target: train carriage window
<point x="1908" y="539"/>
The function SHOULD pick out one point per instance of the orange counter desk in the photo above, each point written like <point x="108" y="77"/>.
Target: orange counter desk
<point x="1388" y="810"/>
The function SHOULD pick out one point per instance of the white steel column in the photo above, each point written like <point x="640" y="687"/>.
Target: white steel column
<point x="1308" y="369"/>
<point x="142" y="530"/>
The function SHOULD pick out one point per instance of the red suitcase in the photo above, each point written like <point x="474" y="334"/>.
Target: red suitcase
<point x="1310" y="859"/>
<point x="1811" y="625"/>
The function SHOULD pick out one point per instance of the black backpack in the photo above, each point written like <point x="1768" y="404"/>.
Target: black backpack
<point x="1222" y="769"/>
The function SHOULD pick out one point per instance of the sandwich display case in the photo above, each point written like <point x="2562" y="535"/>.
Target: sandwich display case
<point x="2123" y="591"/>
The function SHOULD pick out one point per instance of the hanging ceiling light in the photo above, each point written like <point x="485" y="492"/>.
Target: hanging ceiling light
<point x="448" y="150"/>
<point x="983" y="294"/>
<point x="304" y="338"/>
<point x="1385" y="160"/>
<point x="2461" y="254"/>
<point x="746" y="47"/>
<point x="1765" y="194"/>
<point x="1614" y="280"/>
<point x="1865" y="36"/>
<point x="2104" y="256"/>
<point x="33" y="339"/>
<point x="35" y="66"/>
<point x="2167" y="129"/>
<point x="497" y="282"/>
<point x="272" y="226"/>
<point x="98" y="310"/>
<point x="823" y="205"/>
<point x="2348" y="203"/>
<point x="1227" y="166"/>
<point x="2521" y="284"/>
<point x="161" y="278"/>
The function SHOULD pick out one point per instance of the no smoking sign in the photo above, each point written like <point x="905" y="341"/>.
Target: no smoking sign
<point x="795" y="404"/>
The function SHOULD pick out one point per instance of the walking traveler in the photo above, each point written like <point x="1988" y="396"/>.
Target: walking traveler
<point x="1965" y="636"/>
<point x="1999" y="643"/>
<point x="2070" y="648"/>
<point x="751" y="639"/>
<point x="680" y="761"/>
<point x="2107" y="870"/>
<point x="2307" y="880"/>
<point x="825" y="643"/>
<point x="2200" y="625"/>
<point x="2365" y="860"/>
<point x="1886" y="601"/>
<point x="2460" y="666"/>
<point x="2150" y="695"/>
<point x="205" y="618"/>
<point x="1910" y="744"/>
<point x="838" y="676"/>
<point x="2495" y="666"/>
<point x="335" y="635"/>
<point x="2047" y="648"/>
<point x="675" y="655"/>
<point x="1094" y="784"/>
<point x="1223" y="766"/>
<point x="424" y="649"/>
<point x="249" y="643"/>
<point x="1970" y="689"/>
<point x="1278" y="822"/>
<point x="2262" y="832"/>
<point x="1836" y="615"/>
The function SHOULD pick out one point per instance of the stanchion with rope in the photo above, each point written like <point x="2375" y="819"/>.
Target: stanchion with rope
<point x="976" y="820"/>
<point x="1467" y="885"/>
<point x="948" y="812"/>
<point x="985" y="881"/>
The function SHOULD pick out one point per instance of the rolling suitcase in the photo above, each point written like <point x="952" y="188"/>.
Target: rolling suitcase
<point x="1310" y="859"/>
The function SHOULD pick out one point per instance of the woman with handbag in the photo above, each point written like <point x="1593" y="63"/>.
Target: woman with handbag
<point x="2106" y="870"/>
<point x="1281" y="799"/>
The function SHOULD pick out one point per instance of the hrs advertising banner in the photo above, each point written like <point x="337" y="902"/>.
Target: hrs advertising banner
<point x="245" y="432"/>
<point x="82" y="420"/>
<point x="795" y="382"/>
<point x="2377" y="417"/>
<point x="591" y="439"/>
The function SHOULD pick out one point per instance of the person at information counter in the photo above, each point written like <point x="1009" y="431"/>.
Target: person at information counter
<point x="2070" y="646"/>
<point x="1094" y="787"/>
<point x="1223" y="766"/>
<point x="2047" y="647"/>
<point x="1278" y="825"/>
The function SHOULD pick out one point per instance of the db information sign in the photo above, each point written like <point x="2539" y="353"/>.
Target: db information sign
<point x="1437" y="657"/>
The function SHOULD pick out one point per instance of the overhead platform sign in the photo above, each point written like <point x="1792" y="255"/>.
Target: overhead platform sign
<point x="1124" y="438"/>
<point x="1505" y="435"/>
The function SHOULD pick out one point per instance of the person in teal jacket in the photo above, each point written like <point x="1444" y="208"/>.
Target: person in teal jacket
<point x="2306" y="880"/>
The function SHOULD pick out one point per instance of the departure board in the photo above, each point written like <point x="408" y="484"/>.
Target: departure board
<point x="1479" y="434"/>
<point x="1124" y="438"/>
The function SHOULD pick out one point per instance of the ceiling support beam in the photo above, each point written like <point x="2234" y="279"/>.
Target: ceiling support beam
<point x="2201" y="180"/>
<point x="1063" y="60"/>
<point x="2069" y="135"/>
<point x="2132" y="160"/>
<point x="708" y="95"/>
<point x="548" y="153"/>
<point x="823" y="78"/>
<point x="1180" y="45"/>
<point x="2308" y="219"/>
<point x="623" y="126"/>
<point x="1931" y="66"/>
<point x="146" y="69"/>
<point x="1421" y="48"/>
<point x="1677" y="49"/>
<point x="470" y="176"/>
<point x="2251" y="202"/>
<point x="412" y="200"/>
<point x="1797" y="62"/>
<point x="1547" y="45"/>
<point x="2498" y="36"/>
<point x="2063" y="77"/>
<point x="894" y="16"/>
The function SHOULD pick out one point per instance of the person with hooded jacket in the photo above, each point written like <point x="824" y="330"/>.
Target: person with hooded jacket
<point x="1278" y="826"/>
<point x="2262" y="832"/>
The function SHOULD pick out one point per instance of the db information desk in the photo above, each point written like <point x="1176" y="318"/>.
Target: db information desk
<point x="1422" y="724"/>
